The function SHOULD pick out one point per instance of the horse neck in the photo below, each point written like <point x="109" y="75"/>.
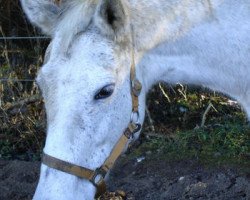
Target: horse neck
<point x="157" y="21"/>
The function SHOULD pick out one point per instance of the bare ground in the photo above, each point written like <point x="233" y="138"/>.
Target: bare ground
<point x="151" y="178"/>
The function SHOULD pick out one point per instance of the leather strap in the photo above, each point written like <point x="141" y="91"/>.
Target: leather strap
<point x="135" y="83"/>
<point x="76" y="170"/>
<point x="67" y="167"/>
<point x="58" y="2"/>
<point x="119" y="147"/>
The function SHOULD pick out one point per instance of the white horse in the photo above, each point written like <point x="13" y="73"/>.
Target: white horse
<point x="85" y="80"/>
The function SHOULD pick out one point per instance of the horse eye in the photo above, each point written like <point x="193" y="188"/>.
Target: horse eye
<point x="105" y="92"/>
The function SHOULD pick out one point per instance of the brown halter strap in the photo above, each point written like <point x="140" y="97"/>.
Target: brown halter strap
<point x="97" y="176"/>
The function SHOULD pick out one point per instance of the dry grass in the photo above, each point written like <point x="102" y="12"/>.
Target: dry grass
<point x="21" y="108"/>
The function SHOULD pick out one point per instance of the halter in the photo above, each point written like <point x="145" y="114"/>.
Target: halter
<point x="96" y="177"/>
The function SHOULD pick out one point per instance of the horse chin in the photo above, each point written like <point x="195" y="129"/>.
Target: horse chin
<point x="54" y="184"/>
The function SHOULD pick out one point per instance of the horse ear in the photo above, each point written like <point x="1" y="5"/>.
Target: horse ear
<point x="112" y="17"/>
<point x="42" y="13"/>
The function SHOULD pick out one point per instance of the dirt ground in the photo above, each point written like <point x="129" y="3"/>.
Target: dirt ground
<point x="142" y="178"/>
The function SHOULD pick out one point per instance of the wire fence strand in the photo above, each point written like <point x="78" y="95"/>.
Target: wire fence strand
<point x="21" y="38"/>
<point x="25" y="38"/>
<point x="16" y="80"/>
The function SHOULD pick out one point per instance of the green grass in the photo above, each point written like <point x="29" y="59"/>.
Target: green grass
<point x="227" y="143"/>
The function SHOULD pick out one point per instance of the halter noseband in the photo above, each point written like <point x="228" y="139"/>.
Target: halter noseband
<point x="96" y="177"/>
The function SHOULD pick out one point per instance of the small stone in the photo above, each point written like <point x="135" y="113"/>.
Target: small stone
<point x="121" y="193"/>
<point x="140" y="159"/>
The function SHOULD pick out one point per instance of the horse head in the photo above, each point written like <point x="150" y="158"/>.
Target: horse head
<point x="86" y="85"/>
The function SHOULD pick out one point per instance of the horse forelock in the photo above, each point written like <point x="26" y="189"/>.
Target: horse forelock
<point x="75" y="17"/>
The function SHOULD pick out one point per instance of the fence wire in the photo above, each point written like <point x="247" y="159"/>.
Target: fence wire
<point x="25" y="38"/>
<point x="16" y="80"/>
<point x="21" y="38"/>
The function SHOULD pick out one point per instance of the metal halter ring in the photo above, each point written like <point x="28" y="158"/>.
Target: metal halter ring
<point x="98" y="176"/>
<point x="135" y="116"/>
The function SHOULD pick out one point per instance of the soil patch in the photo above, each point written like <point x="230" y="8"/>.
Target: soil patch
<point x="142" y="178"/>
<point x="186" y="179"/>
<point x="18" y="179"/>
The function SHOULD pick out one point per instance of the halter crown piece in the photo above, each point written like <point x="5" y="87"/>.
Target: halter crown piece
<point x="96" y="177"/>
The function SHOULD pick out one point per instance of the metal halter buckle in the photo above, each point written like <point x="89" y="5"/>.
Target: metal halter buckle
<point x="129" y="133"/>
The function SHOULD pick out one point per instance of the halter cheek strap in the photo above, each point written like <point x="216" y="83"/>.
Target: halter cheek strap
<point x="96" y="177"/>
